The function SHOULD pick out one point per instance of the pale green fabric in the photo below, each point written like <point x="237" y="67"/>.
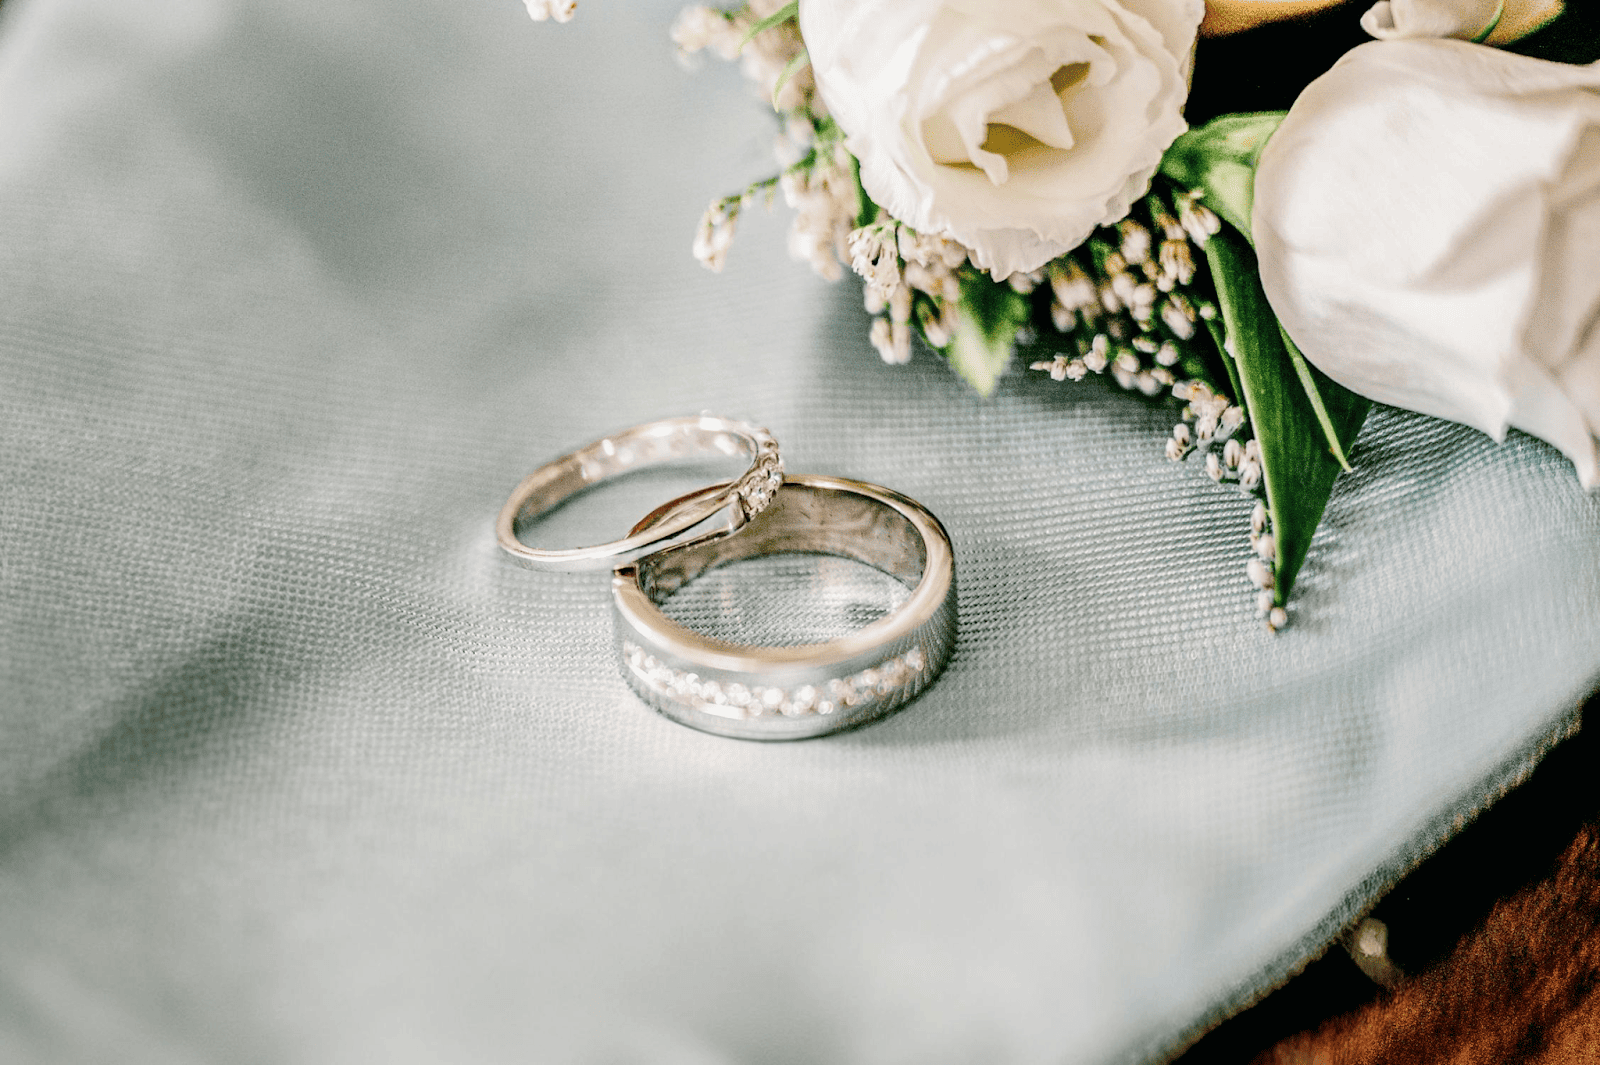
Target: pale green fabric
<point x="295" y="768"/>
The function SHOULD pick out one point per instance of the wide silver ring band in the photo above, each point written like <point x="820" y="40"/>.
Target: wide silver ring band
<point x="794" y="692"/>
<point x="668" y="440"/>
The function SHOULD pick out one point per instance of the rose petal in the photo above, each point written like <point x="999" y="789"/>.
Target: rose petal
<point x="951" y="111"/>
<point x="1427" y="219"/>
<point x="1401" y="19"/>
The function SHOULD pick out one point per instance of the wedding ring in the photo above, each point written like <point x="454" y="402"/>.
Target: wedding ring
<point x="669" y="440"/>
<point x="793" y="692"/>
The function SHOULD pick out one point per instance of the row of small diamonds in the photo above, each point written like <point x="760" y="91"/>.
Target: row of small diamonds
<point x="761" y="482"/>
<point x="885" y="680"/>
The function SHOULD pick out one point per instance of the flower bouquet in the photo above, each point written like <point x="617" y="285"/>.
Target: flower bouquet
<point x="1420" y="226"/>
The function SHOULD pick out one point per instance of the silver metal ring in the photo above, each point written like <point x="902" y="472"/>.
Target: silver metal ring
<point x="795" y="692"/>
<point x="668" y="440"/>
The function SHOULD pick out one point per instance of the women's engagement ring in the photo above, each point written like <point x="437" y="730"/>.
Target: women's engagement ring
<point x="669" y="440"/>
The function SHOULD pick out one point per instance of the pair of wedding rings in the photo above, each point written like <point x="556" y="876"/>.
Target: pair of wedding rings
<point x="751" y="692"/>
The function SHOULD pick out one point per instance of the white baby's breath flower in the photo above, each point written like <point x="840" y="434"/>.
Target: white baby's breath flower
<point x="935" y="279"/>
<point x="1025" y="282"/>
<point x="1177" y="262"/>
<point x="825" y="203"/>
<point x="930" y="249"/>
<point x="1135" y="246"/>
<point x="1056" y="367"/>
<point x="1109" y="298"/>
<point x="715" y="234"/>
<point x="1198" y="221"/>
<point x="875" y="256"/>
<point x="1142" y="303"/>
<point x="1072" y="288"/>
<point x="900" y="305"/>
<point x="699" y="27"/>
<point x="892" y="341"/>
<point x="1099" y="353"/>
<point x="558" y="10"/>
<point x="1178" y="316"/>
<point x="881" y="336"/>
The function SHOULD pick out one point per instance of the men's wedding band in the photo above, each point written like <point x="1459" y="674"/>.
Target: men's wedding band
<point x="793" y="692"/>
<point x="669" y="440"/>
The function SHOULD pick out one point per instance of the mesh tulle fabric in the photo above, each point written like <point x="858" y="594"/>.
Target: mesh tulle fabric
<point x="295" y="768"/>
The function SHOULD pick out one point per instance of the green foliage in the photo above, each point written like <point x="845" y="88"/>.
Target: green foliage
<point x="986" y="330"/>
<point x="1220" y="157"/>
<point x="788" y="11"/>
<point x="1304" y="423"/>
<point x="790" y="69"/>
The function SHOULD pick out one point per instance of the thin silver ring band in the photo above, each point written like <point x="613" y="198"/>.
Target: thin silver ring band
<point x="794" y="692"/>
<point x="668" y="440"/>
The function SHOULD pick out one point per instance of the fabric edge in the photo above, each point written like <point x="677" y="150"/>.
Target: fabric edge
<point x="1437" y="830"/>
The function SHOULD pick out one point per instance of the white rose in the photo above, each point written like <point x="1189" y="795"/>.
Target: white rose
<point x="1012" y="126"/>
<point x="1428" y="224"/>
<point x="1396" y="19"/>
<point x="1496" y="21"/>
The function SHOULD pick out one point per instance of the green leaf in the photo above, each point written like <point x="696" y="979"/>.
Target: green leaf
<point x="1308" y="380"/>
<point x="1301" y="420"/>
<point x="790" y="69"/>
<point x="1220" y="157"/>
<point x="777" y="18"/>
<point x="1214" y="327"/>
<point x="986" y="330"/>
